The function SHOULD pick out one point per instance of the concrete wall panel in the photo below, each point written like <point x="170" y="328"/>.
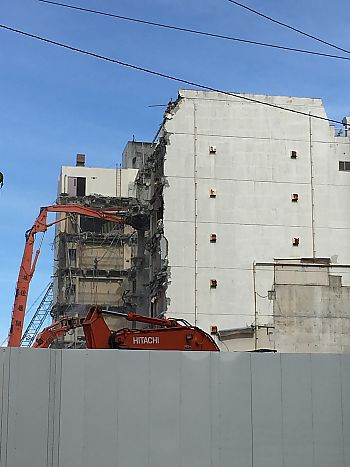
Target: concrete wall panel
<point x="183" y="256"/>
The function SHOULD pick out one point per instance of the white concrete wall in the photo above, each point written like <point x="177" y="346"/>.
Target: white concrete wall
<point x="252" y="214"/>
<point x="100" y="181"/>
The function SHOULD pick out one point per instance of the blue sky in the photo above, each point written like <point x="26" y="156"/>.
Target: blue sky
<point x="55" y="103"/>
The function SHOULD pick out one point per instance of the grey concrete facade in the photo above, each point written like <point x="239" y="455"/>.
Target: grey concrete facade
<point x="89" y="408"/>
<point x="237" y="188"/>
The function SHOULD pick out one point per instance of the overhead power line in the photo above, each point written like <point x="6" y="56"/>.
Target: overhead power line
<point x="164" y="75"/>
<point x="192" y="31"/>
<point x="299" y="31"/>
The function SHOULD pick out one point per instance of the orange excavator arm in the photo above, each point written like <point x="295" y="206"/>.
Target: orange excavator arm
<point x="165" y="334"/>
<point x="56" y="330"/>
<point x="28" y="264"/>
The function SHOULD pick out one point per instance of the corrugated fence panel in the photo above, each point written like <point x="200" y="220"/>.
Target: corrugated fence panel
<point x="100" y="415"/>
<point x="297" y="421"/>
<point x="133" y="408"/>
<point x="28" y="408"/>
<point x="164" y="406"/>
<point x="4" y="355"/>
<point x="195" y="410"/>
<point x="70" y="412"/>
<point x="105" y="408"/>
<point x="267" y="410"/>
<point x="235" y="410"/>
<point x="345" y="389"/>
<point x="327" y="410"/>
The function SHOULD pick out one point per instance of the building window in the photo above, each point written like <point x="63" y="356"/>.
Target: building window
<point x="295" y="241"/>
<point x="72" y="252"/>
<point x="99" y="226"/>
<point x="344" y="166"/>
<point x="70" y="293"/>
<point x="81" y="186"/>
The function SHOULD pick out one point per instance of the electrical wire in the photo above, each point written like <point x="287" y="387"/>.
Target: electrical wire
<point x="299" y="31"/>
<point x="166" y="76"/>
<point x="261" y="296"/>
<point x="192" y="31"/>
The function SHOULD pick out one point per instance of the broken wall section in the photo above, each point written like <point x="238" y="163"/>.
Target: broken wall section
<point x="149" y="258"/>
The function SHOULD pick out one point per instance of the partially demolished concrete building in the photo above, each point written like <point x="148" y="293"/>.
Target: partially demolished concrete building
<point x="248" y="226"/>
<point x="93" y="261"/>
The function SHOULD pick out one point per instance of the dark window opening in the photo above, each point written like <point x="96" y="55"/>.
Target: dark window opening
<point x="90" y="224"/>
<point x="72" y="257"/>
<point x="344" y="166"/>
<point x="81" y="186"/>
<point x="70" y="293"/>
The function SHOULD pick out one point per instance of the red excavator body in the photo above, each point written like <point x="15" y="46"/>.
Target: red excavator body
<point x="165" y="334"/>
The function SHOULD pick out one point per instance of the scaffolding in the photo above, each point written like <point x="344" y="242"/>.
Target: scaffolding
<point x="38" y="318"/>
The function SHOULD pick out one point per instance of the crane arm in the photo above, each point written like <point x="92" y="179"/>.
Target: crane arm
<point x="28" y="265"/>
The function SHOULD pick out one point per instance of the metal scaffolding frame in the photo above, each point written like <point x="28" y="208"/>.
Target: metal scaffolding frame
<point x="38" y="318"/>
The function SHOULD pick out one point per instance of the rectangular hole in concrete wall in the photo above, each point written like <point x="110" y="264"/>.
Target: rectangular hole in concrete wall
<point x="81" y="186"/>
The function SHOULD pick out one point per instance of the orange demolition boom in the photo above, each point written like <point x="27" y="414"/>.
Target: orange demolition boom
<point x="28" y="265"/>
<point x="165" y="334"/>
<point x="56" y="330"/>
